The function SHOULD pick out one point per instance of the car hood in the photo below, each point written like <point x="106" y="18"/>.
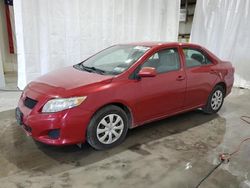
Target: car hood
<point x="66" y="79"/>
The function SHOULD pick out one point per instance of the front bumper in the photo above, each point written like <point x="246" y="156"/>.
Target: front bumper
<point x="70" y="124"/>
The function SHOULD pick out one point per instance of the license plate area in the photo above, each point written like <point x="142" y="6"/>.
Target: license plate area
<point x="19" y="116"/>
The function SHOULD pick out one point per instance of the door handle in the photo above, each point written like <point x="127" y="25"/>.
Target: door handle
<point x="180" y="78"/>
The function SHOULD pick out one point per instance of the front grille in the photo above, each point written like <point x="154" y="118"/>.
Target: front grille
<point x="30" y="103"/>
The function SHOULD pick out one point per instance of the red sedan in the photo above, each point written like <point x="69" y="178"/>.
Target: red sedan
<point x="122" y="87"/>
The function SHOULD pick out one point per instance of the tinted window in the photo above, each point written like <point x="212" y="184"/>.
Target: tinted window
<point x="195" y="58"/>
<point x="164" y="61"/>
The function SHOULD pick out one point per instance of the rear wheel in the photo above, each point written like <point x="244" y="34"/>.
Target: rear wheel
<point x="107" y="128"/>
<point x="215" y="100"/>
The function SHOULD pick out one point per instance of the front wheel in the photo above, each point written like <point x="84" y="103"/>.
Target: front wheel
<point x="215" y="100"/>
<point x="107" y="128"/>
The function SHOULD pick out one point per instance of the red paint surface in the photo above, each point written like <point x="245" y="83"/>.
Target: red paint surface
<point x="148" y="99"/>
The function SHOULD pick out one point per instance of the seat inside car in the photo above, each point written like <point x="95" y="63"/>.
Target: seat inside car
<point x="151" y="63"/>
<point x="198" y="57"/>
<point x="168" y="61"/>
<point x="163" y="61"/>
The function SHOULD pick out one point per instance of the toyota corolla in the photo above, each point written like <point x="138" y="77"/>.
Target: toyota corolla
<point x="122" y="87"/>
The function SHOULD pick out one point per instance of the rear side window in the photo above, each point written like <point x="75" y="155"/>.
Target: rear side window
<point x="195" y="58"/>
<point x="164" y="61"/>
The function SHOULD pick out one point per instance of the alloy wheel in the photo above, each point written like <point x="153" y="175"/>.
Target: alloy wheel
<point x="110" y="128"/>
<point x="217" y="99"/>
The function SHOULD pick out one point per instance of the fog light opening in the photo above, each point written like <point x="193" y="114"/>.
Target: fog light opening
<point x="54" y="134"/>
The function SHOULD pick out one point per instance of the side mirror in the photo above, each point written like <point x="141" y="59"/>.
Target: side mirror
<point x="147" y="72"/>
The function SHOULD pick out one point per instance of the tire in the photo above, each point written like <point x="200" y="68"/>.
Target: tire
<point x="215" y="100"/>
<point x="100" y="123"/>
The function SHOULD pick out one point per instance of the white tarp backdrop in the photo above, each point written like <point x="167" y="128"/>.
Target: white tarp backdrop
<point x="223" y="26"/>
<point x="2" y="80"/>
<point x="56" y="33"/>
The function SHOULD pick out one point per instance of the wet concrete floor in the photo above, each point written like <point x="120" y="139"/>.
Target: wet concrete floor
<point x="175" y="152"/>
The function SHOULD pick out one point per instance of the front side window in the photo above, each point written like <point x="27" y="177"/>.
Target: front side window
<point x="113" y="60"/>
<point x="195" y="58"/>
<point x="164" y="61"/>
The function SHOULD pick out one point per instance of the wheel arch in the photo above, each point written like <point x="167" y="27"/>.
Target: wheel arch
<point x="222" y="84"/>
<point x="121" y="105"/>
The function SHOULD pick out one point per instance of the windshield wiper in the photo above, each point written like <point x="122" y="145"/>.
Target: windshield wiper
<point x="91" y="69"/>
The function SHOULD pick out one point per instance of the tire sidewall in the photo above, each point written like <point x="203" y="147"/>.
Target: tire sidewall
<point x="209" y="108"/>
<point x="92" y="128"/>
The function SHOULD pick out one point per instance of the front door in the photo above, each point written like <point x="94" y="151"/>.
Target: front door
<point x="163" y="94"/>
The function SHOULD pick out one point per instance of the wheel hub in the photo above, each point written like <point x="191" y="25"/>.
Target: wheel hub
<point x="216" y="101"/>
<point x="110" y="129"/>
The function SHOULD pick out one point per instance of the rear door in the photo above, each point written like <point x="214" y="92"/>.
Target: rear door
<point x="163" y="94"/>
<point x="200" y="76"/>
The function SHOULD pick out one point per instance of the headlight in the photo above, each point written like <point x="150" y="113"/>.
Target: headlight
<point x="56" y="105"/>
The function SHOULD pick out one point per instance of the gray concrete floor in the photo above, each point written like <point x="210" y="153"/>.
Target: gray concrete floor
<point x="175" y="152"/>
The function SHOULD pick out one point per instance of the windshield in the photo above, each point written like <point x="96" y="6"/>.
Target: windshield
<point x="113" y="60"/>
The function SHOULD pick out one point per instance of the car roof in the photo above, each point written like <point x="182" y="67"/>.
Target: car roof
<point x="157" y="44"/>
